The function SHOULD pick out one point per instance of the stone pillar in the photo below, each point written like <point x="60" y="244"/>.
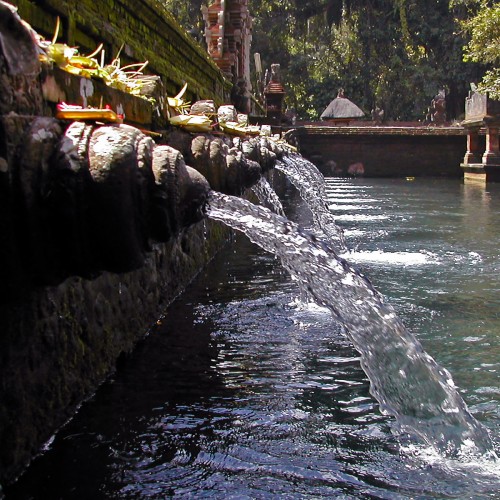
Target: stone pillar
<point x="492" y="152"/>
<point x="228" y="32"/>
<point x="473" y="154"/>
<point x="482" y="112"/>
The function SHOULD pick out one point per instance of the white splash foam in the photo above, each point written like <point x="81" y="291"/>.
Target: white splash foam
<point x="391" y="258"/>
<point x="342" y="206"/>
<point x="360" y="217"/>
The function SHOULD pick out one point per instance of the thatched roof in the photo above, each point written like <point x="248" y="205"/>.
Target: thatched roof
<point x="341" y="108"/>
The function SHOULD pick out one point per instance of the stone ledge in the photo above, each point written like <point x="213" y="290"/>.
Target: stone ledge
<point x="60" y="86"/>
<point x="381" y="130"/>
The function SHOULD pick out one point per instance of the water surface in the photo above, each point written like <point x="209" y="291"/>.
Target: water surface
<point x="245" y="391"/>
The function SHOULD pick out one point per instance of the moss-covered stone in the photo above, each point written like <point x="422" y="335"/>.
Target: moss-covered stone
<point x="59" y="343"/>
<point x="65" y="318"/>
<point x="147" y="32"/>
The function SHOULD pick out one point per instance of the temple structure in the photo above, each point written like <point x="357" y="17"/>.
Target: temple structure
<point x="274" y="94"/>
<point x="341" y="110"/>
<point x="482" y="159"/>
<point x="228" y="34"/>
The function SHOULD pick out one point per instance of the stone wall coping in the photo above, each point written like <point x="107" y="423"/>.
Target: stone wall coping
<point x="380" y="130"/>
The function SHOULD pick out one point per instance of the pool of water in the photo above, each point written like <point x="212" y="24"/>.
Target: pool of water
<point x="245" y="390"/>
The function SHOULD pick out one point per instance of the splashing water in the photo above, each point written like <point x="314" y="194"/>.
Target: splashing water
<point x="309" y="181"/>
<point x="406" y="381"/>
<point x="267" y="196"/>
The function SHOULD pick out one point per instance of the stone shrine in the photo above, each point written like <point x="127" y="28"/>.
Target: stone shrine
<point x="482" y="115"/>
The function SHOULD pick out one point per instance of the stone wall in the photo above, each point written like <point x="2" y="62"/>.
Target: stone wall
<point x="101" y="228"/>
<point x="58" y="343"/>
<point x="147" y="31"/>
<point x="93" y="253"/>
<point x="385" y="151"/>
<point x="97" y="242"/>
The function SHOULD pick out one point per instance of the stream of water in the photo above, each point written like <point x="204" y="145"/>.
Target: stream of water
<point x="406" y="381"/>
<point x="310" y="183"/>
<point x="247" y="391"/>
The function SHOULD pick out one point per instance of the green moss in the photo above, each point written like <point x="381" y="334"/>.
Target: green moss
<point x="149" y="32"/>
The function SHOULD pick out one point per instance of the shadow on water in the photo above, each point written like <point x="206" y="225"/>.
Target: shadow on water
<point x="229" y="394"/>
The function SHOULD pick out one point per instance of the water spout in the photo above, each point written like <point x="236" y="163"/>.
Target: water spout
<point x="309" y="181"/>
<point x="267" y="196"/>
<point x="406" y="381"/>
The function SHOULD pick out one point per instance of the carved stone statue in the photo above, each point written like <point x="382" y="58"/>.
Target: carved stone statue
<point x="438" y="108"/>
<point x="275" y="73"/>
<point x="377" y="115"/>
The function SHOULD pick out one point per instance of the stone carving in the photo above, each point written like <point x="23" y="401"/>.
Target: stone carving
<point x="377" y="115"/>
<point x="77" y="199"/>
<point x="231" y="166"/>
<point x="92" y="197"/>
<point x="89" y="199"/>
<point x="227" y="113"/>
<point x="173" y="176"/>
<point x="356" y="170"/>
<point x="482" y="159"/>
<point x="205" y="107"/>
<point x="19" y="65"/>
<point x="438" y="108"/>
<point x="95" y="197"/>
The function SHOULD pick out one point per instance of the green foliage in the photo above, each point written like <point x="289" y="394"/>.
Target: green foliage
<point x="484" y="44"/>
<point x="187" y="13"/>
<point x="491" y="83"/>
<point x="394" y="54"/>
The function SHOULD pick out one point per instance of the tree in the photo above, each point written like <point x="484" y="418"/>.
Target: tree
<point x="394" y="54"/>
<point x="187" y="14"/>
<point x="484" y="44"/>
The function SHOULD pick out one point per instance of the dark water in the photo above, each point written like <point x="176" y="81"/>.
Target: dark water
<point x="244" y="391"/>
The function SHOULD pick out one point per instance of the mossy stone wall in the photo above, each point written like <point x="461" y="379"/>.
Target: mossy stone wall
<point x="58" y="343"/>
<point x="147" y="31"/>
